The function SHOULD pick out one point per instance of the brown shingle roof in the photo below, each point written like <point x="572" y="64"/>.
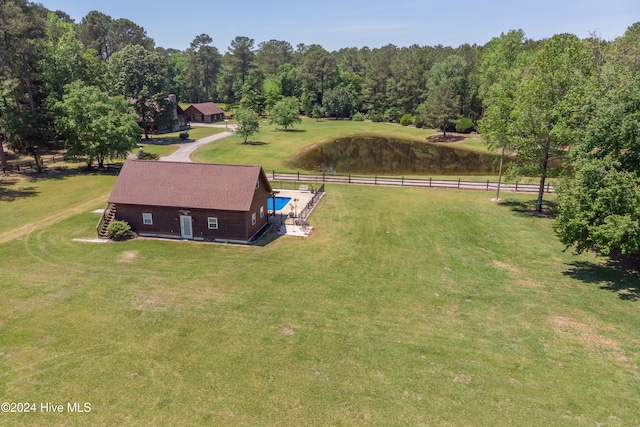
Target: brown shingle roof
<point x="186" y="185"/>
<point x="207" y="108"/>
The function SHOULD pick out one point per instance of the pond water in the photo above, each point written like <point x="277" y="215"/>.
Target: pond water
<point x="378" y="155"/>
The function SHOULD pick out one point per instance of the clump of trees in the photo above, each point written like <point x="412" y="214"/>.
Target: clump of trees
<point x="575" y="104"/>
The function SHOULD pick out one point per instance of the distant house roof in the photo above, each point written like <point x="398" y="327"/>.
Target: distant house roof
<point x="207" y="108"/>
<point x="187" y="185"/>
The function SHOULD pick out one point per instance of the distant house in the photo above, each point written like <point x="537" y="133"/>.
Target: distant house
<point x="205" y="112"/>
<point x="180" y="119"/>
<point x="195" y="201"/>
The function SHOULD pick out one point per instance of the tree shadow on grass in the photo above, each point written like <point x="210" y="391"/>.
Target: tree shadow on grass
<point x="8" y="194"/>
<point x="255" y="143"/>
<point x="619" y="274"/>
<point x="292" y="130"/>
<point x="528" y="208"/>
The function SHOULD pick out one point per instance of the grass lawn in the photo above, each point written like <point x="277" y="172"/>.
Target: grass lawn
<point x="195" y="133"/>
<point x="406" y="307"/>
<point x="24" y="201"/>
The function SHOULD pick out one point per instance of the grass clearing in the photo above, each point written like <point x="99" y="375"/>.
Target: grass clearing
<point x="406" y="307"/>
<point x="274" y="148"/>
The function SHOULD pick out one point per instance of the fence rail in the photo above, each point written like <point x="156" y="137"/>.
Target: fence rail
<point x="317" y="195"/>
<point x="31" y="164"/>
<point x="402" y="181"/>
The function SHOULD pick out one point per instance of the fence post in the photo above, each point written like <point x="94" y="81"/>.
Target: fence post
<point x="402" y="184"/>
<point x="487" y="185"/>
<point x="298" y="175"/>
<point x="516" y="186"/>
<point x="273" y="174"/>
<point x="375" y="180"/>
<point x="349" y="177"/>
<point x="548" y="187"/>
<point x="429" y="182"/>
<point x="458" y="183"/>
<point x="323" y="176"/>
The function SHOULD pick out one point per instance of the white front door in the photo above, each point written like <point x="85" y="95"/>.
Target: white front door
<point x="185" y="227"/>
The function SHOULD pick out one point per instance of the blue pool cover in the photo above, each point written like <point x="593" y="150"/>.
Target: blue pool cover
<point x="281" y="202"/>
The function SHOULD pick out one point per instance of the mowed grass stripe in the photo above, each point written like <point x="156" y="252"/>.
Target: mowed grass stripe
<point x="50" y="220"/>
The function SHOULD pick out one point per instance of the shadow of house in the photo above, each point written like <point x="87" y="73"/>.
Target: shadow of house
<point x="205" y="112"/>
<point x="192" y="201"/>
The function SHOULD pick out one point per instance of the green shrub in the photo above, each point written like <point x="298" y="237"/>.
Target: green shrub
<point x="406" y="120"/>
<point x="392" y="115"/>
<point x="118" y="230"/>
<point x="184" y="135"/>
<point x="375" y="117"/>
<point x="143" y="155"/>
<point x="419" y="121"/>
<point x="358" y="117"/>
<point x="465" y="125"/>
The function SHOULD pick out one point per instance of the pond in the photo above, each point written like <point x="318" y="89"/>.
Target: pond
<point x="380" y="155"/>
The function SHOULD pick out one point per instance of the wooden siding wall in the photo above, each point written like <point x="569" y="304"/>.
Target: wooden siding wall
<point x="166" y="222"/>
<point x="260" y="198"/>
<point x="232" y="225"/>
<point x="195" y="116"/>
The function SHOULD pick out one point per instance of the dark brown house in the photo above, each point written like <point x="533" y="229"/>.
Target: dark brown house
<point x="180" y="120"/>
<point x="205" y="112"/>
<point x="195" y="201"/>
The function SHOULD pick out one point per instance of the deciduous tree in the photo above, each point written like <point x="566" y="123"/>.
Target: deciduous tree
<point x="138" y="74"/>
<point x="285" y="113"/>
<point x="545" y="106"/>
<point x="338" y="102"/>
<point x="248" y="123"/>
<point x="500" y="73"/>
<point x="600" y="203"/>
<point x="96" y="125"/>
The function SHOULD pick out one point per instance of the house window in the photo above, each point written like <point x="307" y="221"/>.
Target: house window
<point x="261" y="211"/>
<point x="213" y="223"/>
<point x="257" y="184"/>
<point x="147" y="219"/>
<point x="253" y="218"/>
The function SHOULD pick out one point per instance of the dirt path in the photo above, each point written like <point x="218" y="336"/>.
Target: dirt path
<point x="52" y="219"/>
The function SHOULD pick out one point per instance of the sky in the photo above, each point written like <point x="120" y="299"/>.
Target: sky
<point x="336" y="24"/>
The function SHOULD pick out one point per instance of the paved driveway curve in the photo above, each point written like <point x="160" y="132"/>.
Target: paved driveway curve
<point x="183" y="154"/>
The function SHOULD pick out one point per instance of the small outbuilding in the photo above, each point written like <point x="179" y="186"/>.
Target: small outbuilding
<point x="205" y="112"/>
<point x="194" y="201"/>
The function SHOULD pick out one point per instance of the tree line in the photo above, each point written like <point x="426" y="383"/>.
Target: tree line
<point x="564" y="106"/>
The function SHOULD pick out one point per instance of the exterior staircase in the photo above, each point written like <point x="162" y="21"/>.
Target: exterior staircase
<point x="106" y="218"/>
